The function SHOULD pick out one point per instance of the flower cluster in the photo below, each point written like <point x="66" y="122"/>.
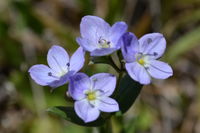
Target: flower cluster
<point x="91" y="95"/>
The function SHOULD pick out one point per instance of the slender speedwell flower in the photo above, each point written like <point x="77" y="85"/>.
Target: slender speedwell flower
<point x="98" y="37"/>
<point x="140" y="56"/>
<point x="61" y="67"/>
<point x="91" y="95"/>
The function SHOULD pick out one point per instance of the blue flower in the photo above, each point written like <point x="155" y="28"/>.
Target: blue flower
<point x="91" y="95"/>
<point x="140" y="56"/>
<point x="61" y="67"/>
<point x="98" y="37"/>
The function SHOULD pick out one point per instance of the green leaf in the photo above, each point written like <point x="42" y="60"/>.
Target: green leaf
<point x="104" y="60"/>
<point x="128" y="92"/>
<point x="69" y="114"/>
<point x="100" y="59"/>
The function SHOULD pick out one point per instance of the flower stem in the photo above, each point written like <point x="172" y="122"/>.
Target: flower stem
<point x="118" y="124"/>
<point x="112" y="63"/>
<point x="107" y="127"/>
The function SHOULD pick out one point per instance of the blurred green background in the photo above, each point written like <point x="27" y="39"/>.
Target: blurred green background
<point x="28" y="28"/>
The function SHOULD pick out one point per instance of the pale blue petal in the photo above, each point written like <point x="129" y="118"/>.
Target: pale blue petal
<point x="86" y="111"/>
<point x="153" y="44"/>
<point x="105" y="82"/>
<point x="129" y="47"/>
<point x="116" y="32"/>
<point x="159" y="69"/>
<point x="93" y="27"/>
<point x="77" y="60"/>
<point x="86" y="44"/>
<point x="102" y="51"/>
<point x="138" y="73"/>
<point x="40" y="74"/>
<point x="107" y="104"/>
<point x="58" y="59"/>
<point x="78" y="84"/>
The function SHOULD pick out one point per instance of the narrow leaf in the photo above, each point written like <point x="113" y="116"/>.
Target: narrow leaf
<point x="128" y="92"/>
<point x="69" y="114"/>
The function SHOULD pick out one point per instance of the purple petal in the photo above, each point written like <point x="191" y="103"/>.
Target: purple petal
<point x="130" y="46"/>
<point x="138" y="73"/>
<point x="78" y="84"/>
<point x="153" y="44"/>
<point x="104" y="82"/>
<point x="102" y="51"/>
<point x="86" y="44"/>
<point x="107" y="104"/>
<point x="58" y="59"/>
<point x="40" y="74"/>
<point x="93" y="27"/>
<point x="160" y="70"/>
<point x="116" y="32"/>
<point x="85" y="111"/>
<point x="77" y="60"/>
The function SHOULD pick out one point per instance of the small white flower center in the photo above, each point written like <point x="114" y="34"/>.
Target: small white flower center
<point x="61" y="73"/>
<point x="103" y="43"/>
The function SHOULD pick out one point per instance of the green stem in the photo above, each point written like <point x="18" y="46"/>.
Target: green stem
<point x="116" y="93"/>
<point x="112" y="63"/>
<point x="119" y="124"/>
<point x="106" y="128"/>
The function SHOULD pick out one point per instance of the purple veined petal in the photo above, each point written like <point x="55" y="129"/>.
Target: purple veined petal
<point x="93" y="27"/>
<point x="40" y="74"/>
<point x="104" y="82"/>
<point x="58" y="59"/>
<point x="77" y="60"/>
<point x="159" y="69"/>
<point x="102" y="51"/>
<point x="138" y="73"/>
<point x="62" y="80"/>
<point x="86" y="44"/>
<point x="153" y="44"/>
<point x="85" y="111"/>
<point x="130" y="47"/>
<point x="79" y="83"/>
<point x="107" y="104"/>
<point x="116" y="32"/>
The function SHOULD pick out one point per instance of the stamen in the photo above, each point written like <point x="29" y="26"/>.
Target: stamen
<point x="155" y="53"/>
<point x="51" y="75"/>
<point x="104" y="43"/>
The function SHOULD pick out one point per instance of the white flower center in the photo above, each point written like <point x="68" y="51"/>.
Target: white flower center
<point x="142" y="59"/>
<point x="62" y="72"/>
<point x="103" y="43"/>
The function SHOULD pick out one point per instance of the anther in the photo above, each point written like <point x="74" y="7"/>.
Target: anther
<point x="155" y="53"/>
<point x="49" y="74"/>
